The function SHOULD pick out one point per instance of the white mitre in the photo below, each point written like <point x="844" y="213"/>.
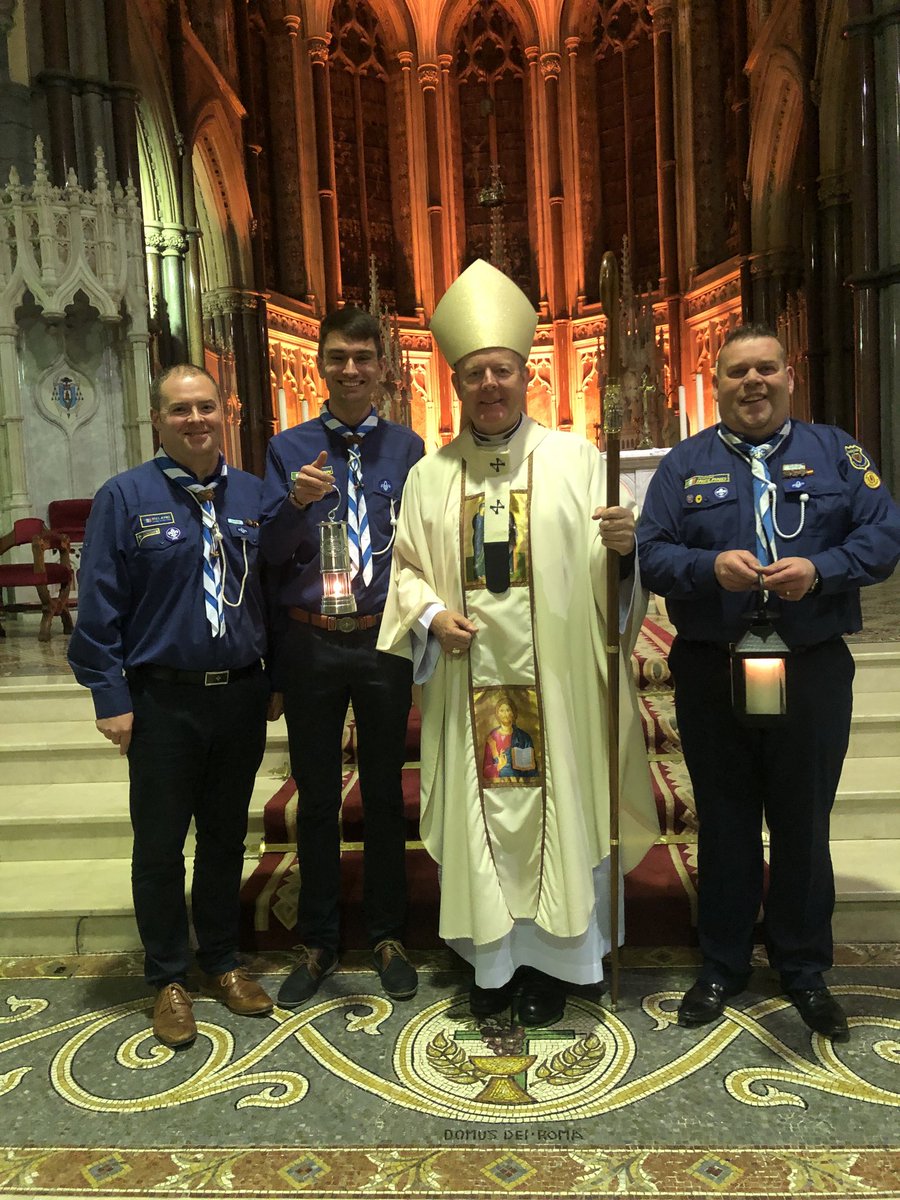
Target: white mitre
<point x="483" y="308"/>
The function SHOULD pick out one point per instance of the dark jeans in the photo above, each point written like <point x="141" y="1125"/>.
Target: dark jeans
<point x="322" y="673"/>
<point x="790" y="774"/>
<point x="194" y="753"/>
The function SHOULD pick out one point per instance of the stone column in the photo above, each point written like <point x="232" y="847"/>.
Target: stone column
<point x="866" y="333"/>
<point x="249" y="337"/>
<point x="56" y="81"/>
<point x="887" y="68"/>
<point x="173" y="246"/>
<point x="123" y="95"/>
<point x="284" y="105"/>
<point x="418" y="219"/>
<point x="317" y="47"/>
<point x="667" y="201"/>
<point x="14" y="499"/>
<point x="551" y="67"/>
<point x="741" y="85"/>
<point x="253" y="140"/>
<point x="572" y="46"/>
<point x="834" y="213"/>
<point x="809" y="173"/>
<point x="429" y="76"/>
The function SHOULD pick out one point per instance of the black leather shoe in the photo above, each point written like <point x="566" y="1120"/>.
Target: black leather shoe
<point x="541" y="1000"/>
<point x="485" y="1002"/>
<point x="821" y="1012"/>
<point x="313" y="964"/>
<point x="704" y="1002"/>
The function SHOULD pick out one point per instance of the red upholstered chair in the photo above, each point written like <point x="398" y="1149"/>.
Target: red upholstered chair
<point x="69" y="517"/>
<point x="40" y="574"/>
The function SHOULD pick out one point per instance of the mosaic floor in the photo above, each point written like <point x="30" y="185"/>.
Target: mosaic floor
<point x="358" y="1096"/>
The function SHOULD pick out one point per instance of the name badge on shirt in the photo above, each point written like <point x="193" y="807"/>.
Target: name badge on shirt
<point x="795" y="470"/>
<point x="699" y="480"/>
<point x="150" y="520"/>
<point x="146" y="533"/>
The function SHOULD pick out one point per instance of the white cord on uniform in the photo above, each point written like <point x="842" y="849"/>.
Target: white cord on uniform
<point x="393" y="531"/>
<point x="804" y="500"/>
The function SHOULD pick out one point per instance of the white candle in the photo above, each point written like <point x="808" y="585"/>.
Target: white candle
<point x="304" y="409"/>
<point x="701" y="405"/>
<point x="682" y="412"/>
<point x="282" y="410"/>
<point x="764" y="685"/>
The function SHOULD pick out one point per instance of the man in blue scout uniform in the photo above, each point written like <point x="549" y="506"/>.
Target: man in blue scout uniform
<point x="349" y="463"/>
<point x="801" y="508"/>
<point x="169" y="639"/>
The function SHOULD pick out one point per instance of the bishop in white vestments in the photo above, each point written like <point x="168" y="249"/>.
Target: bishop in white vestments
<point x="496" y="594"/>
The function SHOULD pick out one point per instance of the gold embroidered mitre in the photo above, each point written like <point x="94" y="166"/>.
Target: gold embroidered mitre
<point x="481" y="309"/>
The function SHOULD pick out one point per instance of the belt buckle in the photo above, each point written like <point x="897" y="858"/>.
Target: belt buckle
<point x="215" y="678"/>
<point x="346" y="624"/>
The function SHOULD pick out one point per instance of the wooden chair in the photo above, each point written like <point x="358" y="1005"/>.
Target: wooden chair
<point x="69" y="517"/>
<point x="38" y="573"/>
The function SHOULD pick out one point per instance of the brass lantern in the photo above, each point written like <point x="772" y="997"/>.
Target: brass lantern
<point x="334" y="556"/>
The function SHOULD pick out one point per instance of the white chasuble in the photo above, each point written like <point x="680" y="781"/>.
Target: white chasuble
<point x="514" y="802"/>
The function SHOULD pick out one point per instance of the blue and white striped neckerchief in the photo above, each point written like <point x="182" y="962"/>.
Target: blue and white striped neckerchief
<point x="213" y="590"/>
<point x="359" y="539"/>
<point x="766" y="550"/>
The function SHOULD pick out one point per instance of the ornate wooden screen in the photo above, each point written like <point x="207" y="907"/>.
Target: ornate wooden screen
<point x="361" y="126"/>
<point x="490" y="76"/>
<point x="626" y="118"/>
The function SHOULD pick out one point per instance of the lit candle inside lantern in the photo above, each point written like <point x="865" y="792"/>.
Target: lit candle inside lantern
<point x="682" y="412"/>
<point x="763" y="685"/>
<point x="701" y="403"/>
<point x="334" y="555"/>
<point x="282" y="410"/>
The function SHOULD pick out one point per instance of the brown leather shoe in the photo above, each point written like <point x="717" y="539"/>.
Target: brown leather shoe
<point x="237" y="991"/>
<point x="173" y="1017"/>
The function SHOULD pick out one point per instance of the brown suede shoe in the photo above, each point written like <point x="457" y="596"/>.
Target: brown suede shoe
<point x="237" y="991"/>
<point x="173" y="1017"/>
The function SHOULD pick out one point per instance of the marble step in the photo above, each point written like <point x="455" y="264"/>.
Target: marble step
<point x="74" y="752"/>
<point x="82" y="820"/>
<point x="875" y="728"/>
<point x="75" y="906"/>
<point x="867" y="804"/>
<point x="867" y="883"/>
<point x="42" y="699"/>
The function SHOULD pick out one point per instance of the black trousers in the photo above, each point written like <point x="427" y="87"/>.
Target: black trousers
<point x="322" y="673"/>
<point x="790" y="774"/>
<point x="194" y="753"/>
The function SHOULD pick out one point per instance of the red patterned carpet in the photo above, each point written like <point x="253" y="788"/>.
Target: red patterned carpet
<point x="660" y="894"/>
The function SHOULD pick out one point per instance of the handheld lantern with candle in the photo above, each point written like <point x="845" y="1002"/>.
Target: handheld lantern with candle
<point x="334" y="560"/>
<point x="758" y="672"/>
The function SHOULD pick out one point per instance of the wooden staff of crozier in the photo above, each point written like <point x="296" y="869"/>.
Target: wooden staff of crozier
<point x="612" y="429"/>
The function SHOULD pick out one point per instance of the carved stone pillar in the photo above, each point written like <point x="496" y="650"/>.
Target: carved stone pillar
<point x="56" y="81"/>
<point x="418" y="219"/>
<point x="253" y="140"/>
<point x="317" y="48"/>
<point x="572" y="45"/>
<point x="810" y="171"/>
<point x="866" y="333"/>
<point x="285" y="107"/>
<point x="667" y="201"/>
<point x="429" y="76"/>
<point x="173" y="247"/>
<point x="249" y="338"/>
<point x="543" y="234"/>
<point x="741" y="85"/>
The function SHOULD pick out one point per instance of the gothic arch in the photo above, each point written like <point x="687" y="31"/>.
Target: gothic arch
<point x="223" y="204"/>
<point x="836" y="83"/>
<point x="456" y="12"/>
<point x="777" y="125"/>
<point x="157" y="148"/>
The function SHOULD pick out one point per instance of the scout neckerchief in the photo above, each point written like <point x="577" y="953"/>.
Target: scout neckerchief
<point x="497" y="514"/>
<point x="213" y="591"/>
<point x="357" y="517"/>
<point x="766" y="550"/>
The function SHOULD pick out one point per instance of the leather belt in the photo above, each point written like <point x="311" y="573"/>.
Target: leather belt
<point x="342" y="624"/>
<point x="198" y="678"/>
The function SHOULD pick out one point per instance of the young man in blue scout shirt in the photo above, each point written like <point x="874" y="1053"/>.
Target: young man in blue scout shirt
<point x="802" y="508"/>
<point x="350" y="461"/>
<point x="169" y="639"/>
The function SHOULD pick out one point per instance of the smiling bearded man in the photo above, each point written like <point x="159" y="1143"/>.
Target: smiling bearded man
<point x="524" y="851"/>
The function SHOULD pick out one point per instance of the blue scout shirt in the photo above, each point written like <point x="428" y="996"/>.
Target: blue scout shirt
<point x="290" y="537"/>
<point x="700" y="502"/>
<point x="140" y="587"/>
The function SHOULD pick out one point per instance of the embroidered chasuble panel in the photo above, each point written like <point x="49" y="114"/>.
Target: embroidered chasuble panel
<point x="506" y="721"/>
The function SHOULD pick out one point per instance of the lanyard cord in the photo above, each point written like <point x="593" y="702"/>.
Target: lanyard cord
<point x="217" y="539"/>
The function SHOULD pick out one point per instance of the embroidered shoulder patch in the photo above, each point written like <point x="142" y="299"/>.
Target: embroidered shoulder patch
<point x="856" y="457"/>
